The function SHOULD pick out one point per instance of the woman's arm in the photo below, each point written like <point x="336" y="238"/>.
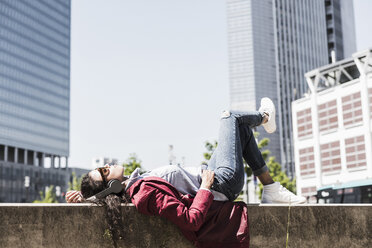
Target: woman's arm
<point x="185" y="217"/>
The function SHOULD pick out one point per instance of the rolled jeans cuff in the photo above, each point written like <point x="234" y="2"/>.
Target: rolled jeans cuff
<point x="260" y="170"/>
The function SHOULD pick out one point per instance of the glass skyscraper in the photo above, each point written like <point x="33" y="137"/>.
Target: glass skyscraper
<point x="34" y="96"/>
<point x="340" y="29"/>
<point x="272" y="43"/>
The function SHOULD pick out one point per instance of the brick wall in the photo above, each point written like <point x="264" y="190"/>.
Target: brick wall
<point x="330" y="157"/>
<point x="304" y="123"/>
<point x="352" y="109"/>
<point x="307" y="167"/>
<point x="355" y="152"/>
<point x="327" y="113"/>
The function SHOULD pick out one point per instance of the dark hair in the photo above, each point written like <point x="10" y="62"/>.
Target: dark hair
<point x="112" y="202"/>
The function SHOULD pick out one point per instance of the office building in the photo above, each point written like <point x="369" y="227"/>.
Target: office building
<point x="340" y="29"/>
<point x="332" y="126"/>
<point x="272" y="43"/>
<point x="102" y="161"/>
<point x="34" y="97"/>
<point x="77" y="172"/>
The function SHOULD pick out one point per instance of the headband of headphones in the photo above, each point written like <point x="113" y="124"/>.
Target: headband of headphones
<point x="113" y="186"/>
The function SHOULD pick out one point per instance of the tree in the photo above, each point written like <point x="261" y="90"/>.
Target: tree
<point x="132" y="163"/>
<point x="261" y="144"/>
<point x="211" y="147"/>
<point x="275" y="169"/>
<point x="278" y="175"/>
<point x="75" y="183"/>
<point x="50" y="196"/>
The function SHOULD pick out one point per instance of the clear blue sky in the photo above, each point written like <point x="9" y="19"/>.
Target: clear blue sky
<point x="146" y="74"/>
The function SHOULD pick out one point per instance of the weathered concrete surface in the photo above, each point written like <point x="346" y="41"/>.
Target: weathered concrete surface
<point x="311" y="226"/>
<point x="81" y="225"/>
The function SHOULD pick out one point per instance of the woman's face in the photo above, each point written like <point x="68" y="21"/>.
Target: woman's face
<point x="109" y="173"/>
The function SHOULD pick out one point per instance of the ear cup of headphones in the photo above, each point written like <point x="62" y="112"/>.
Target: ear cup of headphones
<point x="113" y="186"/>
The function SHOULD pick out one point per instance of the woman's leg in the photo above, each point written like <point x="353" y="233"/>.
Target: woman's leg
<point x="236" y="141"/>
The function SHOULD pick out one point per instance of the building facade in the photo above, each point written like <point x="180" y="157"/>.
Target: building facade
<point x="332" y="126"/>
<point x="272" y="43"/>
<point x="340" y="29"/>
<point x="78" y="173"/>
<point x="102" y="161"/>
<point x="34" y="97"/>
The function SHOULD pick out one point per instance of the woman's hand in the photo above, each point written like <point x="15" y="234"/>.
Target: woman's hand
<point x="74" y="196"/>
<point x="207" y="179"/>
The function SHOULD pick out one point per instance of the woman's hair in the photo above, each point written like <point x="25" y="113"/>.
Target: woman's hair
<point x="112" y="202"/>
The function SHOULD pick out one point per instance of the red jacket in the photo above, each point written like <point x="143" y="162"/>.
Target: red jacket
<point x="206" y="223"/>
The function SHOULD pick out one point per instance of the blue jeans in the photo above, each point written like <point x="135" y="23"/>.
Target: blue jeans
<point x="236" y="141"/>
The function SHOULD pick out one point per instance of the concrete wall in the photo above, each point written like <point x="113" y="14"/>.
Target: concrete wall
<point x="81" y="225"/>
<point x="311" y="225"/>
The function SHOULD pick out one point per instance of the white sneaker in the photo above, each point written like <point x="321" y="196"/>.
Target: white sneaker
<point x="277" y="194"/>
<point x="268" y="107"/>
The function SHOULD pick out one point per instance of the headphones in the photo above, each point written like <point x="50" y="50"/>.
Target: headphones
<point x="113" y="186"/>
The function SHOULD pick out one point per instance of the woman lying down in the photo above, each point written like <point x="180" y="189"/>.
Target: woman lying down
<point x="200" y="201"/>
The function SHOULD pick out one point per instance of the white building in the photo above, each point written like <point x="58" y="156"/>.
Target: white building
<point x="332" y="125"/>
<point x="102" y="161"/>
<point x="272" y="44"/>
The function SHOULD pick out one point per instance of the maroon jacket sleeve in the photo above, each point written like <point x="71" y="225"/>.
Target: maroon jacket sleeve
<point x="170" y="207"/>
<point x="187" y="218"/>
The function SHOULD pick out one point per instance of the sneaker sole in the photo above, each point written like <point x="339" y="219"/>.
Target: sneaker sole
<point x="270" y="126"/>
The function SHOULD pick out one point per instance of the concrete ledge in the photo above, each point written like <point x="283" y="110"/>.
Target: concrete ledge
<point x="315" y="225"/>
<point x="82" y="225"/>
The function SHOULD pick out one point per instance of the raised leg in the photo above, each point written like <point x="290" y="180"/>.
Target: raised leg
<point x="236" y="141"/>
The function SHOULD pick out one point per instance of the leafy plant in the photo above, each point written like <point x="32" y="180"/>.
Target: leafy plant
<point x="275" y="169"/>
<point x="49" y="197"/>
<point x="210" y="147"/>
<point x="76" y="182"/>
<point x="132" y="163"/>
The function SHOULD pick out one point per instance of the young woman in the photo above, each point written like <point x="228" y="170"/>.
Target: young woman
<point x="207" y="216"/>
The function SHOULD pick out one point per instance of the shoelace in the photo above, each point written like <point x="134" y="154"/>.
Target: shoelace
<point x="281" y="188"/>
